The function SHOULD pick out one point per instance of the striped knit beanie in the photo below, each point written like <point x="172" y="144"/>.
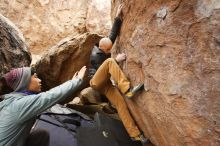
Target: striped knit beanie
<point x="18" y="79"/>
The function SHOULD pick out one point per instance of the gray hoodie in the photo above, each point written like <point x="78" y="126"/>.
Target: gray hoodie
<point x="18" y="111"/>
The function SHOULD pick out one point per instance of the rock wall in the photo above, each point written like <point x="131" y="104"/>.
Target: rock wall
<point x="98" y="18"/>
<point x="13" y="49"/>
<point x="65" y="58"/>
<point x="174" y="48"/>
<point x="46" y="22"/>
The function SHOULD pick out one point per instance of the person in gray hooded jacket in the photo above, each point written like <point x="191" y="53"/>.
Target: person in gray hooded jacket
<point x="19" y="109"/>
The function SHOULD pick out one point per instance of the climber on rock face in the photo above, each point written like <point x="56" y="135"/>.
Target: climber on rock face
<point x="103" y="67"/>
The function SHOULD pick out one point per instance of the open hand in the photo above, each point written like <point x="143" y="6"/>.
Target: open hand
<point x="119" y="11"/>
<point x="81" y="73"/>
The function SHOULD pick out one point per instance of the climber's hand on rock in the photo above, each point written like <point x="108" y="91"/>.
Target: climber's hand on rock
<point x="120" y="57"/>
<point x="119" y="11"/>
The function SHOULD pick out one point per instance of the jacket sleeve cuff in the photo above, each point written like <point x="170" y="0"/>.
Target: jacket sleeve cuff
<point x="77" y="80"/>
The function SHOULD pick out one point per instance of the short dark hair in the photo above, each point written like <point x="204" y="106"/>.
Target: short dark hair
<point x="33" y="70"/>
<point x="4" y="88"/>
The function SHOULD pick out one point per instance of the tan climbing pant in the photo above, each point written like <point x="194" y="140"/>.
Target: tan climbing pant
<point x="101" y="82"/>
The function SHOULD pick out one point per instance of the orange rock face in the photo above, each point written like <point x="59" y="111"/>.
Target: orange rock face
<point x="174" y="48"/>
<point x="98" y="18"/>
<point x="46" y="22"/>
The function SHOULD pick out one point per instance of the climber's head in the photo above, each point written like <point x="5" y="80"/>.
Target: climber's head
<point x="20" y="79"/>
<point x="105" y="44"/>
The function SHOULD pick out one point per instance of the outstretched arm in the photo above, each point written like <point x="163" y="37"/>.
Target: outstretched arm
<point x="32" y="105"/>
<point x="116" y="25"/>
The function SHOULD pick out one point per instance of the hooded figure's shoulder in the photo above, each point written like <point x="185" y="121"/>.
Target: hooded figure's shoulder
<point x="10" y="101"/>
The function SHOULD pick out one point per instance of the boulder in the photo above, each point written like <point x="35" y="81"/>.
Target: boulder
<point x="61" y="62"/>
<point x="98" y="18"/>
<point x="13" y="49"/>
<point x="174" y="48"/>
<point x="46" y="22"/>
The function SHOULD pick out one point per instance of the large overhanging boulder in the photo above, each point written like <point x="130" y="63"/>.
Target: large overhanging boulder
<point x="174" y="48"/>
<point x="64" y="59"/>
<point x="13" y="50"/>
